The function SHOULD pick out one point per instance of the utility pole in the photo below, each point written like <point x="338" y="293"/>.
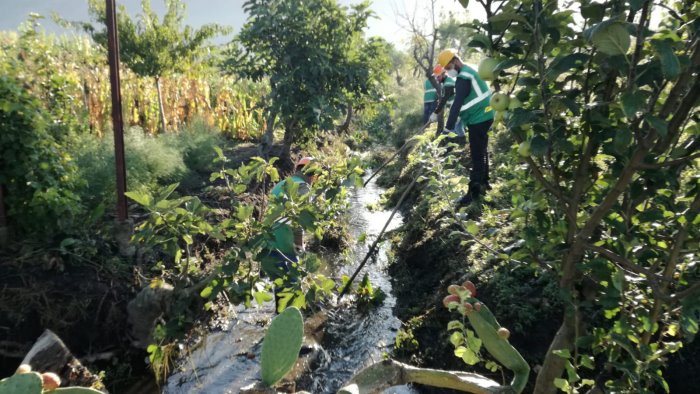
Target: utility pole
<point x="4" y="237"/>
<point x="117" y="121"/>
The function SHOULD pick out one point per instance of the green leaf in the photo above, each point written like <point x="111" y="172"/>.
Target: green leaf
<point x="670" y="65"/>
<point x="636" y="5"/>
<point x="206" y="292"/>
<point x="562" y="384"/>
<point x="565" y="63"/>
<point x="455" y="325"/>
<point x="188" y="239"/>
<point x="587" y="361"/>
<point x="563" y="353"/>
<point x="593" y="11"/>
<point x="538" y="145"/>
<point x="281" y="345"/>
<point x="507" y="17"/>
<point x="457" y="338"/>
<point x="143" y="199"/>
<point x="472" y="227"/>
<point x="623" y="139"/>
<point x="262" y="296"/>
<point x="506" y="64"/>
<point x="690" y="314"/>
<point x="480" y="41"/>
<point x="307" y="219"/>
<point x="470" y="357"/>
<point x="609" y="37"/>
<point x="632" y="102"/>
<point x="312" y="262"/>
<point x="658" y="124"/>
<point x="520" y="117"/>
<point x="464" y="3"/>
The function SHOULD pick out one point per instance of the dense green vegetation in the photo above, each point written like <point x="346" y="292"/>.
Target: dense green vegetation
<point x="585" y="250"/>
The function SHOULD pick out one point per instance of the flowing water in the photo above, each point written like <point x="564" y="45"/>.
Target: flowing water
<point x="227" y="360"/>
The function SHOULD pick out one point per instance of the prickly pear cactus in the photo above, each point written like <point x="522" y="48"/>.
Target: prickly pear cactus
<point x="493" y="336"/>
<point x="76" y="390"/>
<point x="281" y="345"/>
<point x="29" y="383"/>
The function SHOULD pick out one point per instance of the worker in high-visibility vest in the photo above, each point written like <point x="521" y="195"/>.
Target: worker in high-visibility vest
<point x="429" y="100"/>
<point x="471" y="106"/>
<point x="448" y="97"/>
<point x="287" y="242"/>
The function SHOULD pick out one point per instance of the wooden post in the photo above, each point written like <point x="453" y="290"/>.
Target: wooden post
<point x="4" y="237"/>
<point x="117" y="121"/>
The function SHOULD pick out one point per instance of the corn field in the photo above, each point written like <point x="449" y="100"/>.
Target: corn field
<point x="71" y="77"/>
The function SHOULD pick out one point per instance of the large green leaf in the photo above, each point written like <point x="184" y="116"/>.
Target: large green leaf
<point x="609" y="37"/>
<point x="520" y="117"/>
<point x="632" y="102"/>
<point x="565" y="63"/>
<point x="507" y="17"/>
<point x="670" y="65"/>
<point x="690" y="314"/>
<point x="281" y="345"/>
<point x="480" y="41"/>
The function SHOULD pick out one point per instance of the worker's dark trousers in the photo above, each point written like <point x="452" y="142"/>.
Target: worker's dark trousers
<point x="478" y="143"/>
<point x="428" y="108"/>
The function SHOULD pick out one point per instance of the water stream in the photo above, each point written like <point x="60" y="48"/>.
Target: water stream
<point x="227" y="360"/>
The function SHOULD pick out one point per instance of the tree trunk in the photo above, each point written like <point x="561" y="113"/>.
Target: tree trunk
<point x="286" y="153"/>
<point x="160" y="105"/>
<point x="343" y="128"/>
<point x="4" y="237"/>
<point x="553" y="365"/>
<point x="268" y="139"/>
<point x="399" y="79"/>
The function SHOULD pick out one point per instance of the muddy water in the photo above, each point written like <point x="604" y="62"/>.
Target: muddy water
<point x="227" y="360"/>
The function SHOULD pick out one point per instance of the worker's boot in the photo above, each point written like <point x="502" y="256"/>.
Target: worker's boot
<point x="474" y="192"/>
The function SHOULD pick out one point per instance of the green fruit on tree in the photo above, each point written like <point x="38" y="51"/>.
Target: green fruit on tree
<point x="524" y="149"/>
<point x="499" y="102"/>
<point x="514" y="103"/>
<point x="498" y="117"/>
<point x="486" y="69"/>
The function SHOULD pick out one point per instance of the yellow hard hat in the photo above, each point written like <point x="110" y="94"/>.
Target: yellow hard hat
<point x="445" y="56"/>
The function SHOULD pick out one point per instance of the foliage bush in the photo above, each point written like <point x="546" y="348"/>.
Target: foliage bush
<point x="39" y="178"/>
<point x="152" y="161"/>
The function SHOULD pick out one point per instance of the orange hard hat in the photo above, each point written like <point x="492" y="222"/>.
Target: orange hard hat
<point x="438" y="70"/>
<point x="304" y="161"/>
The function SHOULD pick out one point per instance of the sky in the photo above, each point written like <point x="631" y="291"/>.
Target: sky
<point x="226" y="12"/>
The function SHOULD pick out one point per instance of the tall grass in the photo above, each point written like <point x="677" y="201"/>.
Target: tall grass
<point x="185" y="157"/>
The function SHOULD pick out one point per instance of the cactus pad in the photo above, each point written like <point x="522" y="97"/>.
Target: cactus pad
<point x="26" y="383"/>
<point x="281" y="345"/>
<point x="76" y="390"/>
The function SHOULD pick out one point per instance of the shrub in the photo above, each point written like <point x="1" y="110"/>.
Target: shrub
<point x="38" y="177"/>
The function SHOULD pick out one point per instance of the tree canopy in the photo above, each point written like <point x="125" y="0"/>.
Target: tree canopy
<point x="315" y="56"/>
